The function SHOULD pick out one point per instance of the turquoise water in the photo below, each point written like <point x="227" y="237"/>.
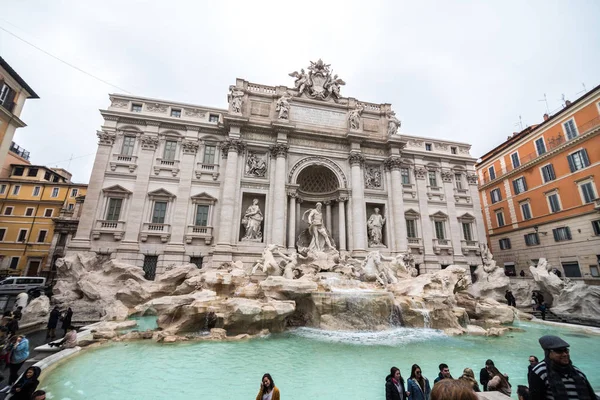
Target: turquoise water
<point x="144" y="323"/>
<point x="305" y="364"/>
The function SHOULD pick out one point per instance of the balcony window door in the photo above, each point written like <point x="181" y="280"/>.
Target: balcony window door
<point x="128" y="145"/>
<point x="114" y="209"/>
<point x="432" y="179"/>
<point x="440" y="232"/>
<point x="170" y="150"/>
<point x="467" y="233"/>
<point x="209" y="154"/>
<point x="201" y="215"/>
<point x="159" y="213"/>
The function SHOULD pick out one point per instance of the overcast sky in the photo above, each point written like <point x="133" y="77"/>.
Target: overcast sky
<point x="455" y="70"/>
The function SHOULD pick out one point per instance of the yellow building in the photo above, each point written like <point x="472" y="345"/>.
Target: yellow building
<point x="13" y="93"/>
<point x="34" y="200"/>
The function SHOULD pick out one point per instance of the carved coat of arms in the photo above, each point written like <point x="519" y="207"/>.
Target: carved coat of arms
<point x="319" y="82"/>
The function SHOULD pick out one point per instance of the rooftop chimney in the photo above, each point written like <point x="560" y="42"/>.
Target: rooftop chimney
<point x="567" y="103"/>
<point x="546" y="117"/>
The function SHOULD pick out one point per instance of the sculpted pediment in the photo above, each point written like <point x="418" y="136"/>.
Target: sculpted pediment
<point x="204" y="198"/>
<point x="116" y="190"/>
<point x="161" y="193"/>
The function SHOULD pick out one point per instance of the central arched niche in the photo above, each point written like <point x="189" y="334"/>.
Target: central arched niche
<point x="317" y="179"/>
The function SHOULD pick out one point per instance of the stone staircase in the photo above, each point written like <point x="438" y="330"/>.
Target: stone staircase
<point x="550" y="316"/>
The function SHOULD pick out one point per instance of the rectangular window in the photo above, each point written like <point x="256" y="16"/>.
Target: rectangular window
<point x="36" y="191"/>
<point x="136" y="107"/>
<point x="440" y="232"/>
<point x="159" y="213"/>
<point x="202" y="215"/>
<point x="578" y="160"/>
<point x="32" y="172"/>
<point x="571" y="269"/>
<point x="170" y="148"/>
<point x="428" y="147"/>
<point x="404" y="173"/>
<point x="48" y="212"/>
<point x="176" y="113"/>
<point x="55" y="192"/>
<point x="526" y="211"/>
<point x="432" y="179"/>
<point x="548" y="173"/>
<point x="492" y="173"/>
<point x="540" y="146"/>
<point x="74" y="192"/>
<point x="554" y="203"/>
<point x="411" y="228"/>
<point x="22" y="235"/>
<point x="561" y="234"/>
<point x="500" y="218"/>
<point x="587" y="190"/>
<point x="458" y="181"/>
<point x="114" y="209"/>
<point x="594" y="271"/>
<point x="504" y="244"/>
<point x="466" y="227"/>
<point x="209" y="154"/>
<point x="16" y="190"/>
<point x="514" y="157"/>
<point x="213" y="118"/>
<point x="14" y="262"/>
<point x="453" y="150"/>
<point x="596" y="227"/>
<point x="128" y="145"/>
<point x="8" y="210"/>
<point x="570" y="129"/>
<point x="2" y="189"/>
<point x="149" y="267"/>
<point x="18" y="171"/>
<point x="29" y="211"/>
<point x="47" y="175"/>
<point x="519" y="185"/>
<point x="197" y="261"/>
<point x="495" y="195"/>
<point x="70" y="207"/>
<point x="532" y="239"/>
<point x="41" y="236"/>
<point x="2" y="233"/>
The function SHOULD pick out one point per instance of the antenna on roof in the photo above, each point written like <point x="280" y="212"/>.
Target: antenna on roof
<point x="584" y="88"/>
<point x="545" y="100"/>
<point x="70" y="159"/>
<point x="563" y="98"/>
<point x="520" y="124"/>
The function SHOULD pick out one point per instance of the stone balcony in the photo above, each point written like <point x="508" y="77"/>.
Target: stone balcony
<point x="151" y="229"/>
<point x="117" y="228"/>
<point x="207" y="169"/>
<point x="199" y="232"/>
<point x="123" y="160"/>
<point x="468" y="246"/>
<point x="440" y="245"/>
<point x="171" y="166"/>
<point x="416" y="243"/>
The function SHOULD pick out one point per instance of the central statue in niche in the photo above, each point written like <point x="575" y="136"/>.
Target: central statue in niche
<point x="316" y="238"/>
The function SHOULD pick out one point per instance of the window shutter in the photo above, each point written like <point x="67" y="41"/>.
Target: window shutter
<point x="524" y="184"/>
<point x="551" y="172"/>
<point x="584" y="156"/>
<point x="515" y="187"/>
<point x="568" y="233"/>
<point x="555" y="233"/>
<point x="571" y="163"/>
<point x="508" y="246"/>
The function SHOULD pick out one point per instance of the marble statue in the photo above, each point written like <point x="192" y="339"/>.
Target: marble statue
<point x="319" y="83"/>
<point x="375" y="229"/>
<point x="333" y="85"/>
<point x="235" y="99"/>
<point x="290" y="270"/>
<point x="256" y="165"/>
<point x="319" y="235"/>
<point x="252" y="221"/>
<point x="393" y="123"/>
<point x="354" y="117"/>
<point x="372" y="177"/>
<point x="283" y="107"/>
<point x="267" y="263"/>
<point x="301" y="81"/>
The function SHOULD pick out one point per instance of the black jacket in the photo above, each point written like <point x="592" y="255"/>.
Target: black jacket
<point x="391" y="393"/>
<point x="484" y="378"/>
<point x="26" y="386"/>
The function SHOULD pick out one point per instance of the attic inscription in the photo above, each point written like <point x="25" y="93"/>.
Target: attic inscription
<point x="315" y="116"/>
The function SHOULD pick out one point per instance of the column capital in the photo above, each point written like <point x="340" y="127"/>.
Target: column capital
<point x="447" y="176"/>
<point x="342" y="199"/>
<point x="327" y="202"/>
<point x="472" y="179"/>
<point x="356" y="158"/>
<point x="393" y="162"/>
<point x="190" y="146"/>
<point x="234" y="145"/>
<point x="149" y="142"/>
<point x="279" y="150"/>
<point x="106" y="138"/>
<point x="420" y="172"/>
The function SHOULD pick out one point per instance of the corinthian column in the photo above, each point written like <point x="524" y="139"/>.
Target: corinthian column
<point x="359" y="220"/>
<point x="279" y="152"/>
<point x="230" y="149"/>
<point x="392" y="163"/>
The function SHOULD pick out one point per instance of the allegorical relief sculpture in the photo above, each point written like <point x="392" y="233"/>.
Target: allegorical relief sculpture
<point x="318" y="83"/>
<point x="372" y="177"/>
<point x="252" y="220"/>
<point x="283" y="107"/>
<point x="354" y="117"/>
<point x="393" y="123"/>
<point x="256" y="166"/>
<point x="319" y="236"/>
<point x="375" y="229"/>
<point x="235" y="99"/>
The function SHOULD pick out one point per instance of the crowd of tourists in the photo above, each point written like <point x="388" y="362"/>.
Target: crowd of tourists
<point x="554" y="378"/>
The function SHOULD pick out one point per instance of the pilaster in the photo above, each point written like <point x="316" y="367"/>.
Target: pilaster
<point x="359" y="219"/>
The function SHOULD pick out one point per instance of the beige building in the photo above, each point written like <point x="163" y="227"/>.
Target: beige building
<point x="176" y="182"/>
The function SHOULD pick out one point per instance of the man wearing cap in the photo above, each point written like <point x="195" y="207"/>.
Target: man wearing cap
<point x="556" y="377"/>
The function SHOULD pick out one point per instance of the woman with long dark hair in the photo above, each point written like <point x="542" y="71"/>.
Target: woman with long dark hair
<point x="268" y="390"/>
<point x="394" y="386"/>
<point x="498" y="382"/>
<point x="418" y="385"/>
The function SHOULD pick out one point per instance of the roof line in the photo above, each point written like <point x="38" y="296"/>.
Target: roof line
<point x="16" y="77"/>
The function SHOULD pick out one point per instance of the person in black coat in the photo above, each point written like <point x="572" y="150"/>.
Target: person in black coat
<point x="394" y="386"/>
<point x="484" y="374"/>
<point x="52" y="323"/>
<point x="26" y="385"/>
<point x="66" y="320"/>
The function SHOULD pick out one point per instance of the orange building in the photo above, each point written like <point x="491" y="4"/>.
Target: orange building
<point x="539" y="192"/>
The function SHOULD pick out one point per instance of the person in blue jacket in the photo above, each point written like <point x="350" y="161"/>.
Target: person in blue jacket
<point x="418" y="385"/>
<point x="20" y="353"/>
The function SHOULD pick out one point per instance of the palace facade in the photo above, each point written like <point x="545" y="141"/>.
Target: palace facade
<point x="176" y="182"/>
